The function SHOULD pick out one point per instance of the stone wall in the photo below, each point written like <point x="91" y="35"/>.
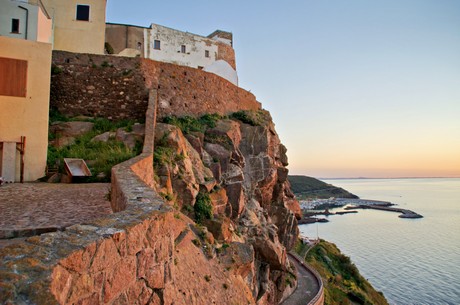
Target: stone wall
<point x="227" y="53"/>
<point x="141" y="255"/>
<point x="117" y="88"/>
<point x="97" y="85"/>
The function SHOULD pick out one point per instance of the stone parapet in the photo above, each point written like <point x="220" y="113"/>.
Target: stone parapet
<point x="94" y="262"/>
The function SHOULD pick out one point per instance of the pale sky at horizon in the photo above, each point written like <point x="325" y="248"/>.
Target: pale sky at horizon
<point x="356" y="88"/>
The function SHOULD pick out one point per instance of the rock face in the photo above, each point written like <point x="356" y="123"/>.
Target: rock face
<point x="241" y="169"/>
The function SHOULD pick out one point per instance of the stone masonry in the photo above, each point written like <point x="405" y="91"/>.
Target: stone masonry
<point x="117" y="88"/>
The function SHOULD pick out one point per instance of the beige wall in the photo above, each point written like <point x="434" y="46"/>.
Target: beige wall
<point x="28" y="116"/>
<point x="44" y="28"/>
<point x="73" y="35"/>
<point x="121" y="37"/>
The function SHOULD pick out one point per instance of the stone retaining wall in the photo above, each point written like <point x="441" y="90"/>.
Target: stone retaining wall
<point x="121" y="257"/>
<point x="117" y="88"/>
<point x="143" y="254"/>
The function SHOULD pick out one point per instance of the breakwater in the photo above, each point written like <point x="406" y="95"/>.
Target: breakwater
<point x="404" y="213"/>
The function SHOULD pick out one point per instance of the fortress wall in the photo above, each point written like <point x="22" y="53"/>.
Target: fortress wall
<point x="83" y="84"/>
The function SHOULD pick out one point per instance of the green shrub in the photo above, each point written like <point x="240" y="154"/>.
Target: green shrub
<point x="164" y="155"/>
<point x="106" y="64"/>
<point x="56" y="116"/>
<point x="108" y="48"/>
<point x="222" y="140"/>
<point x="202" y="207"/>
<point x="100" y="156"/>
<point x="253" y="118"/>
<point x="55" y="70"/>
<point x="190" y="124"/>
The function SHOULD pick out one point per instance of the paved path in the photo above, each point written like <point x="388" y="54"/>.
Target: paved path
<point x="307" y="286"/>
<point x="32" y="208"/>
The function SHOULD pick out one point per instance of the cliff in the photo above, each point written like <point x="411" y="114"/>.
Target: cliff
<point x="207" y="217"/>
<point x="229" y="174"/>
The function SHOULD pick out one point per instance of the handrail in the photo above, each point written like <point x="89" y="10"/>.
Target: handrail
<point x="320" y="292"/>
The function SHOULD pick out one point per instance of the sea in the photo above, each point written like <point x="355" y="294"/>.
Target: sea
<point x="412" y="261"/>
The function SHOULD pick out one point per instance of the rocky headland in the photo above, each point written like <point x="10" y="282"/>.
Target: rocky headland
<point x="204" y="215"/>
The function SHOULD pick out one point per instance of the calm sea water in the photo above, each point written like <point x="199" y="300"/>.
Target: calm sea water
<point x="412" y="261"/>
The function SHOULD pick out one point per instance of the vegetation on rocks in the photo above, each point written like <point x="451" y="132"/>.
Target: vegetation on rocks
<point x="343" y="283"/>
<point x="202" y="207"/>
<point x="253" y="118"/>
<point x="307" y="187"/>
<point x="190" y="124"/>
<point x="100" y="156"/>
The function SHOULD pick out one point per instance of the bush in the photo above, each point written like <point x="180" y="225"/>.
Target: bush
<point x="253" y="118"/>
<point x="55" y="70"/>
<point x="190" y="124"/>
<point x="108" y="48"/>
<point x="202" y="207"/>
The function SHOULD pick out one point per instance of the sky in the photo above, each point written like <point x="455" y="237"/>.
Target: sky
<point x="356" y="88"/>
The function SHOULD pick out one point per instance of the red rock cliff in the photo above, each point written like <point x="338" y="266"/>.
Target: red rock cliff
<point x="230" y="175"/>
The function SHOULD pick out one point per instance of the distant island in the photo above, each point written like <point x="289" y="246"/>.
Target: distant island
<point x="305" y="187"/>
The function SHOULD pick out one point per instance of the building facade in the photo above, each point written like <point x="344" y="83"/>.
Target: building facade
<point x="24" y="103"/>
<point x="79" y="26"/>
<point x="213" y="53"/>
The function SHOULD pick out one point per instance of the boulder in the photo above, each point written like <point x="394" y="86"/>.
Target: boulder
<point x="219" y="201"/>
<point x="236" y="198"/>
<point x="71" y="129"/>
<point x="221" y="228"/>
<point x="104" y="137"/>
<point x="128" y="138"/>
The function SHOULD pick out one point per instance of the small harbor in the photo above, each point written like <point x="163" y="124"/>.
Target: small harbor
<point x="404" y="213"/>
<point x="350" y="206"/>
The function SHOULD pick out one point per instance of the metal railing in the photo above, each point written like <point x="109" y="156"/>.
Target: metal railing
<point x="320" y="293"/>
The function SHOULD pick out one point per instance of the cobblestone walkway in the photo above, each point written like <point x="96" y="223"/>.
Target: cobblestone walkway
<point x="32" y="208"/>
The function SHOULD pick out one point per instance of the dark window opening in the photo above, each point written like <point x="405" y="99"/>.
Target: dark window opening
<point x="206" y="53"/>
<point x="82" y="12"/>
<point x="183" y="49"/>
<point x="156" y="44"/>
<point x="15" y="26"/>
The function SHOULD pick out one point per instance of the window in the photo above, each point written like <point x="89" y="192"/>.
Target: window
<point x="206" y="53"/>
<point x="15" y="26"/>
<point x="156" y="44"/>
<point x="13" y="77"/>
<point x="183" y="49"/>
<point x="82" y="12"/>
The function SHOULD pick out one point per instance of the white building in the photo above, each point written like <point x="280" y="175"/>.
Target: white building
<point x="213" y="53"/>
<point x="24" y="20"/>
